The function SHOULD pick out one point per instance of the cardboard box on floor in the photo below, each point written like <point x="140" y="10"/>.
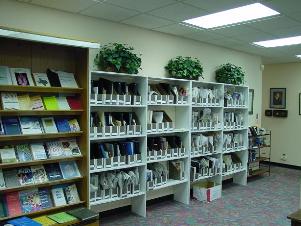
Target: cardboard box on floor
<point x="207" y="191"/>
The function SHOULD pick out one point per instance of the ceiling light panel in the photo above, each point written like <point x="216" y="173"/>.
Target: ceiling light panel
<point x="280" y="42"/>
<point x="233" y="16"/>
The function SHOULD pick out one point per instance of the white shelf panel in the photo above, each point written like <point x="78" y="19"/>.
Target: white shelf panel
<point x="205" y="177"/>
<point x="205" y="131"/>
<point x="167" y="159"/>
<point x="237" y="107"/>
<point x="235" y="129"/>
<point x="116" y="137"/>
<point x="233" y="172"/>
<point x="169" y="183"/>
<point x="114" y="105"/>
<point x="116" y="199"/>
<point x="169" y="105"/>
<point x="206" y="106"/>
<point x="207" y="154"/>
<point x="168" y="132"/>
<point x="115" y="74"/>
<point x="117" y="168"/>
<point x="235" y="150"/>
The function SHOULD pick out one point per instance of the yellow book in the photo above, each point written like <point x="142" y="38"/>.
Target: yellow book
<point x="51" y="103"/>
<point x="24" y="102"/>
<point x="45" y="221"/>
<point x="36" y="103"/>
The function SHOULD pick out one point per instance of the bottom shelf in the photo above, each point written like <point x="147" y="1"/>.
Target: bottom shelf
<point x="115" y="199"/>
<point x="233" y="172"/>
<point x="169" y="183"/>
<point x="258" y="172"/>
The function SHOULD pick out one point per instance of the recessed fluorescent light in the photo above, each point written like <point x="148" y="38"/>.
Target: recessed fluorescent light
<point x="298" y="56"/>
<point x="233" y="16"/>
<point x="280" y="42"/>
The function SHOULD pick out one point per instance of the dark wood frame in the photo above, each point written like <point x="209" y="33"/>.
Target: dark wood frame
<point x="251" y="101"/>
<point x="284" y="97"/>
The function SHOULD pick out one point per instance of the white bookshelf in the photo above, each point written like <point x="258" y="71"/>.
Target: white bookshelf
<point x="181" y="115"/>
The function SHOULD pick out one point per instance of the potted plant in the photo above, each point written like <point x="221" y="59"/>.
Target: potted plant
<point x="230" y="73"/>
<point x="118" y="58"/>
<point x="185" y="68"/>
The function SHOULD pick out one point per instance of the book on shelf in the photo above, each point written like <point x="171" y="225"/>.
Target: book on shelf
<point x="13" y="204"/>
<point x="62" y="125"/>
<point x="62" y="217"/>
<point x="2" y="132"/>
<point x="8" y="154"/>
<point x="53" y="171"/>
<point x="74" y="102"/>
<point x="49" y="125"/>
<point x="41" y="79"/>
<point x="38" y="151"/>
<point x="10" y="101"/>
<point x="63" y="103"/>
<point x="23" y="152"/>
<point x="3" y="210"/>
<point x="23" y="221"/>
<point x="58" y="196"/>
<point x="11" y="125"/>
<point x="25" y="176"/>
<point x="30" y="200"/>
<point x="74" y="126"/>
<point x="69" y="169"/>
<point x="70" y="147"/>
<point x="11" y="178"/>
<point x="71" y="194"/>
<point x="5" y="77"/>
<point x="39" y="174"/>
<point x="83" y="214"/>
<point x="54" y="149"/>
<point x="24" y="102"/>
<point x="30" y="125"/>
<point x="45" y="221"/>
<point x="53" y="78"/>
<point x="67" y="79"/>
<point x="2" y="181"/>
<point x="21" y="76"/>
<point x="50" y="103"/>
<point x="46" y="201"/>
<point x="37" y="103"/>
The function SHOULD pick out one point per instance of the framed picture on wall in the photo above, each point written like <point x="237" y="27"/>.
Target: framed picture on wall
<point x="278" y="98"/>
<point x="251" y="101"/>
<point x="299" y="103"/>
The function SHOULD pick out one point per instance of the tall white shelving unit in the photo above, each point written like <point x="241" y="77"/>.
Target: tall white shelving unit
<point x="181" y="114"/>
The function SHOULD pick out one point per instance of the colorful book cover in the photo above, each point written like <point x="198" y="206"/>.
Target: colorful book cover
<point x="41" y="79"/>
<point x="45" y="221"/>
<point x="5" y="77"/>
<point x="23" y="221"/>
<point x="39" y="174"/>
<point x="3" y="211"/>
<point x="71" y="194"/>
<point x="10" y="101"/>
<point x="74" y="102"/>
<point x="30" y="200"/>
<point x="53" y="171"/>
<point x="62" y="217"/>
<point x="21" y="77"/>
<point x="63" y="103"/>
<point x="38" y="151"/>
<point x="30" y="125"/>
<point x="53" y="78"/>
<point x="25" y="176"/>
<point x="8" y="154"/>
<point x="11" y="125"/>
<point x="23" y="152"/>
<point x="13" y="204"/>
<point x="70" y="147"/>
<point x="67" y="79"/>
<point x="54" y="149"/>
<point x="58" y="196"/>
<point x="62" y="125"/>
<point x="1" y="128"/>
<point x="24" y="102"/>
<point x="51" y="103"/>
<point x="69" y="169"/>
<point x="11" y="178"/>
<point x="74" y="126"/>
<point x="2" y="181"/>
<point x="37" y="103"/>
<point x="45" y="198"/>
<point x="49" y="125"/>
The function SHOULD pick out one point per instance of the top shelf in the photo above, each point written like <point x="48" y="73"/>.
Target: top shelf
<point x="39" y="89"/>
<point x="260" y="135"/>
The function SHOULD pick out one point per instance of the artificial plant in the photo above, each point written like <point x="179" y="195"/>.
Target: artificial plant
<point x="230" y="74"/>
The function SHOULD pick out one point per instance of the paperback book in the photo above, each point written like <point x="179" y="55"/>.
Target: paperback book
<point x="30" y="200"/>
<point x="5" y="78"/>
<point x="8" y="154"/>
<point x="70" y="147"/>
<point x="69" y="169"/>
<point x="11" y="178"/>
<point x="83" y="214"/>
<point x="2" y="181"/>
<point x="13" y="204"/>
<point x="38" y="151"/>
<point x="39" y="174"/>
<point x="25" y="176"/>
<point x="62" y="217"/>
<point x="51" y="103"/>
<point x="10" y="101"/>
<point x="11" y="125"/>
<point x="41" y="79"/>
<point x="67" y="79"/>
<point x="37" y="103"/>
<point x="3" y="211"/>
<point x="58" y="196"/>
<point x="24" y="102"/>
<point x="49" y="125"/>
<point x="53" y="171"/>
<point x="46" y="201"/>
<point x="23" y="152"/>
<point x="71" y="194"/>
<point x="21" y="76"/>
<point x="53" y="78"/>
<point x="74" y="126"/>
<point x="54" y="149"/>
<point x="45" y="221"/>
<point x="74" y="102"/>
<point x="62" y="125"/>
<point x="23" y="221"/>
<point x="30" y="125"/>
<point x="63" y="103"/>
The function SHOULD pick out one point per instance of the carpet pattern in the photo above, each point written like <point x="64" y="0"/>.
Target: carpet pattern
<point x="266" y="201"/>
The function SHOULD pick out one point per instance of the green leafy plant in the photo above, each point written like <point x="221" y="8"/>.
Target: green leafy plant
<point x="185" y="68"/>
<point x="230" y="73"/>
<point x="118" y="58"/>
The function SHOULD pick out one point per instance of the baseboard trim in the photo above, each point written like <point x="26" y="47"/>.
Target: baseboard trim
<point x="286" y="165"/>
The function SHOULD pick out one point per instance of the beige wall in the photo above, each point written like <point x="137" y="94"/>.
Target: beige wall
<point x="156" y="48"/>
<point x="285" y="131"/>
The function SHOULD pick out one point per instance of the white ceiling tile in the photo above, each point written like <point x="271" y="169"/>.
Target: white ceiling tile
<point x="295" y="15"/>
<point x="176" y="29"/>
<point x="109" y="12"/>
<point x="178" y="12"/>
<point x="284" y="6"/>
<point x="66" y="5"/>
<point x="142" y="5"/>
<point x="287" y="32"/>
<point x="201" y="35"/>
<point x="147" y="21"/>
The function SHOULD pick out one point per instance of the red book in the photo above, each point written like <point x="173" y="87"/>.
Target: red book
<point x="74" y="102"/>
<point x="13" y="204"/>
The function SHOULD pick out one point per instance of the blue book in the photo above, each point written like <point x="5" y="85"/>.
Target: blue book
<point x="129" y="148"/>
<point x="45" y="198"/>
<point x="53" y="171"/>
<point x="62" y="125"/>
<point x="11" y="125"/>
<point x="23" y="221"/>
<point x="102" y="151"/>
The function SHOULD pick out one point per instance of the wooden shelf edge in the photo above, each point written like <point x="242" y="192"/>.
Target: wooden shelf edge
<point x="39" y="89"/>
<point x="40" y="212"/>
<point x="40" y="185"/>
<point x="39" y="162"/>
<point x="39" y="112"/>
